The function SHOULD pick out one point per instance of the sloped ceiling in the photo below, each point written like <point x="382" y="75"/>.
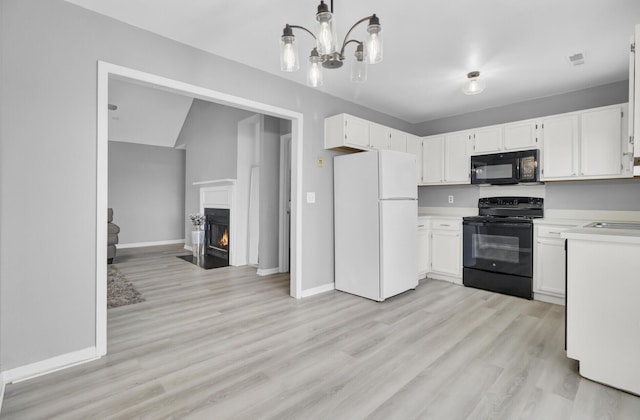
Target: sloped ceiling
<point x="145" y="115"/>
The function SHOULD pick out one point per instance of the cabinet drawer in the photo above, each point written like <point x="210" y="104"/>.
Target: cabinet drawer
<point x="445" y="224"/>
<point x="552" y="231"/>
<point x="424" y="223"/>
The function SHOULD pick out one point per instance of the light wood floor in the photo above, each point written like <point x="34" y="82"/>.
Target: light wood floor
<point x="226" y="343"/>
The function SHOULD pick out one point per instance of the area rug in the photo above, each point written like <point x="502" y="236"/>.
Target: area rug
<point x="120" y="291"/>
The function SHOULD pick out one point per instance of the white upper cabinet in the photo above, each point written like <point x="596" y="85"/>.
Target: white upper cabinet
<point x="486" y="140"/>
<point x="560" y="151"/>
<point x="445" y="159"/>
<point x="588" y="144"/>
<point x="414" y="146"/>
<point x="398" y="140"/>
<point x="601" y="145"/>
<point x="346" y="131"/>
<point x="378" y="136"/>
<point x="433" y="160"/>
<point x="457" y="165"/>
<point x="521" y="135"/>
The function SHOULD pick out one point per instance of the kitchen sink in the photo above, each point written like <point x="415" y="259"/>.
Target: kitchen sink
<point x="613" y="225"/>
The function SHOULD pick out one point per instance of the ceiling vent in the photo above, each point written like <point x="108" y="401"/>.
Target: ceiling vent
<point x="576" y="59"/>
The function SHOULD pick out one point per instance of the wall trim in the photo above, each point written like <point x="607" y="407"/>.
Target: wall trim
<point x="152" y="243"/>
<point x="51" y="365"/>
<point x="2" y="387"/>
<point x="317" y="290"/>
<point x="267" y="271"/>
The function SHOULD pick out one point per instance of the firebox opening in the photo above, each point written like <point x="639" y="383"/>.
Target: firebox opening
<point x="217" y="233"/>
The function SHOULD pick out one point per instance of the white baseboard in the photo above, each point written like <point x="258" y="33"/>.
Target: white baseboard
<point x="154" y="243"/>
<point x="317" y="290"/>
<point x="549" y="299"/>
<point x="267" y="271"/>
<point x="53" y="364"/>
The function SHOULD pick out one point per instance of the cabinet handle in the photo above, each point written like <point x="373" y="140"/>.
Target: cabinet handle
<point x="420" y="225"/>
<point x="445" y="225"/>
<point x="554" y="233"/>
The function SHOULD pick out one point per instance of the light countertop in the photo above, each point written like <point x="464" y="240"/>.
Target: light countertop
<point x="630" y="236"/>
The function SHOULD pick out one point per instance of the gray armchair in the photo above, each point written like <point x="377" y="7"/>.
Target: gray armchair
<point x="112" y="237"/>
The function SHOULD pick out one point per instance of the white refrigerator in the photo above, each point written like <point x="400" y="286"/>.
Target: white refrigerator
<point x="376" y="219"/>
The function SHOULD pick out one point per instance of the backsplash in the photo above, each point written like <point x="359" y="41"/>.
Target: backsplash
<point x="612" y="194"/>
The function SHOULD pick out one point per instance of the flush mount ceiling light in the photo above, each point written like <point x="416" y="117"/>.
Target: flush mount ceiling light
<point x="326" y="53"/>
<point x="474" y="84"/>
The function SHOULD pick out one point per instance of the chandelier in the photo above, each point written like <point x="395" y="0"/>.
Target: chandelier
<point x="325" y="53"/>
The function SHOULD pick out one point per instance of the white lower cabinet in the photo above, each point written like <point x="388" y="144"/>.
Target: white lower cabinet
<point x="549" y="262"/>
<point x="424" y="246"/>
<point x="440" y="248"/>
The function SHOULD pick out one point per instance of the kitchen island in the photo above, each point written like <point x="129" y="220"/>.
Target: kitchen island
<point x="603" y="302"/>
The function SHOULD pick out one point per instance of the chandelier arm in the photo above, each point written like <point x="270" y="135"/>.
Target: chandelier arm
<point x="304" y="29"/>
<point x="347" y="43"/>
<point x="346" y="37"/>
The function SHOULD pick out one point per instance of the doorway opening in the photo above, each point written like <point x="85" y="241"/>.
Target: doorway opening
<point x="107" y="71"/>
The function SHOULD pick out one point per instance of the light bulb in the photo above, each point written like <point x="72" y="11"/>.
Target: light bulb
<point x="314" y="74"/>
<point x="288" y="51"/>
<point x="374" y="42"/>
<point x="325" y="30"/>
<point x="359" y="66"/>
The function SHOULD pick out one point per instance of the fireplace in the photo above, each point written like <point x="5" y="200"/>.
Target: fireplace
<point x="217" y="234"/>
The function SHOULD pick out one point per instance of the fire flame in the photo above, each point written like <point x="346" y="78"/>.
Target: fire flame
<point x="224" y="240"/>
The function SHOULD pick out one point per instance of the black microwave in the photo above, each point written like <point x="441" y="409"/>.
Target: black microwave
<point x="506" y="168"/>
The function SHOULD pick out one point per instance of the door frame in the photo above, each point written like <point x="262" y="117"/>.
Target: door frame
<point x="107" y="70"/>
<point x="285" y="197"/>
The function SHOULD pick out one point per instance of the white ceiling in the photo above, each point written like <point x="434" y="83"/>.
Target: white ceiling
<point x="145" y="115"/>
<point x="520" y="47"/>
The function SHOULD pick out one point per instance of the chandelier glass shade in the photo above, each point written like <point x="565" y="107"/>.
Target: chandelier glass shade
<point x="327" y="53"/>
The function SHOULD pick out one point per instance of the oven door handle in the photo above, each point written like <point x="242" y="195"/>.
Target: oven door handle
<point x="493" y="223"/>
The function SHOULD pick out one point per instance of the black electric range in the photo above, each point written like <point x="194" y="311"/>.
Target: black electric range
<point x="498" y="245"/>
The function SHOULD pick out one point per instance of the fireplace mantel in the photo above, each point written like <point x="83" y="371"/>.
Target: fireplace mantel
<point x="217" y="182"/>
<point x="220" y="193"/>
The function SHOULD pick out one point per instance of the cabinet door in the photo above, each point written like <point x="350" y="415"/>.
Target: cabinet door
<point x="432" y="159"/>
<point x="520" y="135"/>
<point x="356" y="132"/>
<point x="397" y="141"/>
<point x="414" y="146"/>
<point x="457" y="166"/>
<point x="487" y="140"/>
<point x="634" y="98"/>
<point x="560" y="136"/>
<point x="550" y="266"/>
<point x="446" y="252"/>
<point x="601" y="142"/>
<point x="423" y="250"/>
<point x="378" y="137"/>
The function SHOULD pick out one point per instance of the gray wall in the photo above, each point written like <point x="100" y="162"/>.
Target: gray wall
<point x="146" y="191"/>
<point x="584" y="195"/>
<point x="210" y="134"/>
<point x="623" y="194"/>
<point x="613" y="93"/>
<point x="268" y="246"/>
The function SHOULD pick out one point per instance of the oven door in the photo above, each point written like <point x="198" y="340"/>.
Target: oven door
<point x="499" y="247"/>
